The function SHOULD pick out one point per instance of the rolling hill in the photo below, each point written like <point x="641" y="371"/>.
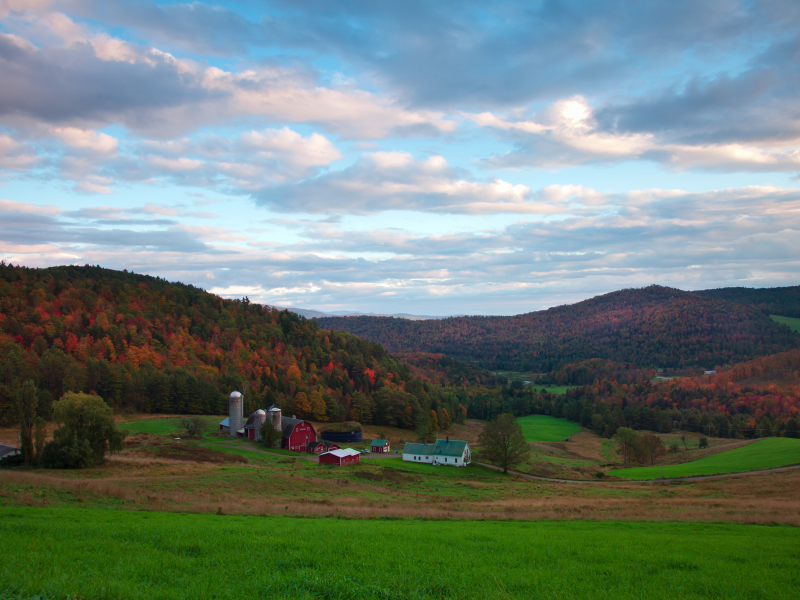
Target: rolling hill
<point x="653" y="326"/>
<point x="784" y="301"/>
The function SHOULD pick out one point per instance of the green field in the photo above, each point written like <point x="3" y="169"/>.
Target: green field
<point x="165" y="426"/>
<point x="82" y="553"/>
<point x="771" y="452"/>
<point x="792" y="322"/>
<point x="472" y="470"/>
<point x="557" y="389"/>
<point x="543" y="428"/>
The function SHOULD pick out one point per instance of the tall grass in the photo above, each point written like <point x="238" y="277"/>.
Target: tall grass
<point x="94" y="554"/>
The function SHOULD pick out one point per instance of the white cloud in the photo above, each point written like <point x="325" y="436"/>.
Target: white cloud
<point x="86" y="139"/>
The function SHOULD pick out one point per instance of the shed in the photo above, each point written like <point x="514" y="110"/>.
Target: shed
<point x="379" y="445"/>
<point x="225" y="424"/>
<point x="320" y="446"/>
<point x="344" y="457"/>
<point x="9" y="451"/>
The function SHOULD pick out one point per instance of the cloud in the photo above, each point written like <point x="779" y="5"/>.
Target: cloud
<point x="86" y="139"/>
<point x="15" y="156"/>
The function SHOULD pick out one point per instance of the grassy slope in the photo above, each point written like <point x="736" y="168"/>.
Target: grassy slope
<point x="120" y="554"/>
<point x="543" y="428"/>
<point x="792" y="322"/>
<point x="468" y="471"/>
<point x="771" y="452"/>
<point x="165" y="426"/>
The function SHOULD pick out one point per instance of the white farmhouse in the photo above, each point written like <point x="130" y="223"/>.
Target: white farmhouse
<point x="443" y="452"/>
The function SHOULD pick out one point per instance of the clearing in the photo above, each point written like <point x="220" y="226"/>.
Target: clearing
<point x="543" y="428"/>
<point x="763" y="454"/>
<point x="792" y="322"/>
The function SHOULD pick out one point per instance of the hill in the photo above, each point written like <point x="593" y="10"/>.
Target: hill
<point x="784" y="301"/>
<point x="149" y="345"/>
<point x="653" y="326"/>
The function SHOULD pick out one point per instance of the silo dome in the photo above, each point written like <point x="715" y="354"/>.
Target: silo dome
<point x="236" y="395"/>
<point x="261" y="412"/>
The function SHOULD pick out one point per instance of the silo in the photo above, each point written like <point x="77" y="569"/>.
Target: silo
<point x="258" y="420"/>
<point x="235" y="402"/>
<point x="275" y="418"/>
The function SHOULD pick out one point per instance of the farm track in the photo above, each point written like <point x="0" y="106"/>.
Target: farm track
<point x="666" y="480"/>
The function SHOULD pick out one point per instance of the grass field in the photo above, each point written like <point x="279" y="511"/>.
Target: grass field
<point x="71" y="553"/>
<point x="472" y="470"/>
<point x="543" y="428"/>
<point x="557" y="389"/>
<point x="164" y="426"/>
<point x="771" y="452"/>
<point x="792" y="322"/>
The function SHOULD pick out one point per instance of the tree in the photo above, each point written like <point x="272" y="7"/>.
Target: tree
<point x="703" y="441"/>
<point x="84" y="421"/>
<point x="27" y="401"/>
<point x="318" y="406"/>
<point x="192" y="425"/>
<point x="626" y="437"/>
<point x="503" y="443"/>
<point x="424" y="433"/>
<point x="39" y="437"/>
<point x="271" y="437"/>
<point x="301" y="404"/>
<point x="650" y="448"/>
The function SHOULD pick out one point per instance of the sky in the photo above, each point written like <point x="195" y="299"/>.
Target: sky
<point x="430" y="158"/>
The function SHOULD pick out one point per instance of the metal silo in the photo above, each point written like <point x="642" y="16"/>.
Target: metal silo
<point x="259" y="417"/>
<point x="235" y="412"/>
<point x="275" y="418"/>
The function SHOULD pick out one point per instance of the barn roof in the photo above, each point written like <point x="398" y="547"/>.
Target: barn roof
<point x="426" y="449"/>
<point x="345" y="452"/>
<point x="449" y="448"/>
<point x="379" y="442"/>
<point x="287" y="425"/>
<point x="226" y="422"/>
<point x="8" y="450"/>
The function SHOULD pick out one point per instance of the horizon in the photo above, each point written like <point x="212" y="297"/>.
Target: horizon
<point x="446" y="159"/>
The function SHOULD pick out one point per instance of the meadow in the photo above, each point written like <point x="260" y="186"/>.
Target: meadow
<point x="543" y="428"/>
<point x="792" y="322"/>
<point x="165" y="425"/>
<point x="109" y="554"/>
<point x="764" y="454"/>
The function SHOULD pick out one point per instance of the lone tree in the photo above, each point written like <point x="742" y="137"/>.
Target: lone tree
<point x="27" y="401"/>
<point x="86" y="431"/>
<point x="192" y="425"/>
<point x="269" y="435"/>
<point x="503" y="443"/>
<point x="627" y="439"/>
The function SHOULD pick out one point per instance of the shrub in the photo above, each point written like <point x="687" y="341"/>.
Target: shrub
<point x="68" y="453"/>
<point x="345" y="427"/>
<point x="674" y="447"/>
<point x="703" y="442"/>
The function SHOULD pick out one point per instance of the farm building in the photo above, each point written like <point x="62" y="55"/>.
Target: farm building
<point x="320" y="446"/>
<point x="379" y="445"/>
<point x="455" y="453"/>
<point x="348" y="456"/>
<point x="225" y="424"/>
<point x="297" y="433"/>
<point x="252" y="429"/>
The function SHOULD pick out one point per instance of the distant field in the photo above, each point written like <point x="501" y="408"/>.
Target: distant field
<point x="543" y="428"/>
<point x="764" y="454"/>
<point x="165" y="425"/>
<point x="557" y="389"/>
<point x="792" y="322"/>
<point x="94" y="553"/>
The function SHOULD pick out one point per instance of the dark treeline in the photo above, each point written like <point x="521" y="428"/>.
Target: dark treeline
<point x="148" y="345"/>
<point x="783" y="301"/>
<point x="650" y="327"/>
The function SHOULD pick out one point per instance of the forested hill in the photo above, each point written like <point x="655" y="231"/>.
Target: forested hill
<point x="145" y="344"/>
<point x="653" y="326"/>
<point x="784" y="301"/>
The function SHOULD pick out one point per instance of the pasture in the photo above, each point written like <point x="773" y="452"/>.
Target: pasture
<point x="166" y="425"/>
<point x="543" y="428"/>
<point x="95" y="553"/>
<point x="792" y="322"/>
<point x="764" y="454"/>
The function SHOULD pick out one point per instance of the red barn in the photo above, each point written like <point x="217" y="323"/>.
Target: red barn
<point x="297" y="433"/>
<point x="348" y="456"/>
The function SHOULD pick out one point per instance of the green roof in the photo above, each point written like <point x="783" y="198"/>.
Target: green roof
<point x="379" y="442"/>
<point x="451" y="448"/>
<point x="418" y="449"/>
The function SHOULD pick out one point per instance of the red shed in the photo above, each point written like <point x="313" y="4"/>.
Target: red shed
<point x="321" y="446"/>
<point x="380" y="446"/>
<point x="297" y="433"/>
<point x="348" y="456"/>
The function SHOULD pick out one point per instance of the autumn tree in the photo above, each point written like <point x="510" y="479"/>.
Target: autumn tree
<point x="318" y="407"/>
<point x="502" y="442"/>
<point x="650" y="448"/>
<point x="626" y="443"/>
<point x="302" y="405"/>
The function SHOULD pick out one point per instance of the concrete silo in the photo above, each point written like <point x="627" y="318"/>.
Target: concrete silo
<point x="275" y="418"/>
<point x="235" y="412"/>
<point x="259" y="418"/>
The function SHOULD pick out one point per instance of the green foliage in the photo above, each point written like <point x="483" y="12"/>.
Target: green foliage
<point x="646" y="327"/>
<point x="776" y="301"/>
<point x="764" y="454"/>
<point x="82" y="419"/>
<point x="792" y="323"/>
<point x="626" y="442"/>
<point x="27" y="401"/>
<point x="87" y="553"/>
<point x="703" y="442"/>
<point x="270" y="436"/>
<point x="503" y="444"/>
<point x="543" y="428"/>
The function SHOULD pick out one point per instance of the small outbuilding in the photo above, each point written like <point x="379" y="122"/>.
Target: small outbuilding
<point x="380" y="446"/>
<point x="321" y="446"/>
<point x="225" y="424"/>
<point x="341" y="458"/>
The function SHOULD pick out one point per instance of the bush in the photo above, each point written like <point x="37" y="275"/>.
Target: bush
<point x="68" y="453"/>
<point x="674" y="447"/>
<point x="703" y="442"/>
<point x="600" y="474"/>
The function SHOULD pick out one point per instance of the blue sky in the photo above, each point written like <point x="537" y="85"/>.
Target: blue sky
<point x="430" y="158"/>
